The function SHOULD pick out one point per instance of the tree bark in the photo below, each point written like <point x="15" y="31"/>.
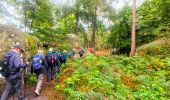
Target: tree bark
<point x="94" y="28"/>
<point x="77" y="17"/>
<point x="133" y="44"/>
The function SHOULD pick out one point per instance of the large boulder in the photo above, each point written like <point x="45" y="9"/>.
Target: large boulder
<point x="155" y="48"/>
<point x="10" y="36"/>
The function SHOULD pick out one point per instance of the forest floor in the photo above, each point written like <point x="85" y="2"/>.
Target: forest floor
<point x="103" y="52"/>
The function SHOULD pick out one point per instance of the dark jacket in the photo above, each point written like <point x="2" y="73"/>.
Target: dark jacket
<point x="55" y="55"/>
<point x="15" y="62"/>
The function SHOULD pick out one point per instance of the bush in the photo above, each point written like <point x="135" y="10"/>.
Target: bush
<point x="117" y="77"/>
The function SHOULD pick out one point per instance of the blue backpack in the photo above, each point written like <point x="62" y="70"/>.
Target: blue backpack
<point x="37" y="62"/>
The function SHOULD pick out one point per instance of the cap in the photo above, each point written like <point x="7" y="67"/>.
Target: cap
<point x="16" y="46"/>
<point x="19" y="47"/>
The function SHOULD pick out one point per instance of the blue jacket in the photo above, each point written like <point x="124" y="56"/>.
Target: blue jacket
<point x="71" y="53"/>
<point x="15" y="61"/>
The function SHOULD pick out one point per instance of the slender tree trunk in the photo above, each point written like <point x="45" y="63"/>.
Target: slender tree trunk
<point x="133" y="48"/>
<point x="94" y="28"/>
<point x="77" y="17"/>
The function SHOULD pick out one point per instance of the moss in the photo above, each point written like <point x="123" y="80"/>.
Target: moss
<point x="159" y="47"/>
<point x="33" y="43"/>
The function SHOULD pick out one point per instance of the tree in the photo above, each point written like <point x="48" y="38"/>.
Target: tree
<point x="39" y="18"/>
<point x="133" y="49"/>
<point x="119" y="37"/>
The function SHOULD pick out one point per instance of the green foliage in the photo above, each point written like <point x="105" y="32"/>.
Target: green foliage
<point x="120" y="32"/>
<point x="33" y="42"/>
<point x="32" y="79"/>
<point x="118" y="77"/>
<point x="64" y="46"/>
<point x="39" y="18"/>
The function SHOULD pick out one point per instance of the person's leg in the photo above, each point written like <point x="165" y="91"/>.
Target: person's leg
<point x="49" y="73"/>
<point x="53" y="71"/>
<point x="58" y="67"/>
<point x="39" y="84"/>
<point x="8" y="88"/>
<point x="64" y="61"/>
<point x="17" y="86"/>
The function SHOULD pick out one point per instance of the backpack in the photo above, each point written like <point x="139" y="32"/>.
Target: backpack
<point x="80" y="51"/>
<point x="37" y="62"/>
<point x="62" y="56"/>
<point x="51" y="58"/>
<point x="4" y="67"/>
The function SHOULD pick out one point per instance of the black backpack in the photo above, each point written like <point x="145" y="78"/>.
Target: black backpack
<point x="4" y="66"/>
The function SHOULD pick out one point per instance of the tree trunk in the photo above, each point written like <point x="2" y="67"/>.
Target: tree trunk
<point x="94" y="28"/>
<point x="77" y="17"/>
<point x="133" y="48"/>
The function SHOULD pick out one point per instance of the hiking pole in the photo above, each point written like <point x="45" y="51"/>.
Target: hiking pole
<point x="25" y="79"/>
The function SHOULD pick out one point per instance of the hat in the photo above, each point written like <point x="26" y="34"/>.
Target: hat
<point x="18" y="46"/>
<point x="50" y="49"/>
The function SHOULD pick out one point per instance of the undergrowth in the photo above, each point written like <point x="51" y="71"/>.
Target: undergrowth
<point x="117" y="78"/>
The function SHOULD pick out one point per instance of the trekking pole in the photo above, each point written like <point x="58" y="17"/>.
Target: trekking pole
<point x="25" y="80"/>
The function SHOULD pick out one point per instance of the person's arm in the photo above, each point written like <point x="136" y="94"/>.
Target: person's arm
<point x="45" y="62"/>
<point x="17" y="62"/>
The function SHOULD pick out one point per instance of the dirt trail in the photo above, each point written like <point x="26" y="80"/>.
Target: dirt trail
<point x="103" y="52"/>
<point x="48" y="92"/>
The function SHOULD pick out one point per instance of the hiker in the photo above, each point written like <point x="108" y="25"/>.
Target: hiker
<point x="38" y="67"/>
<point x="91" y="50"/>
<point x="56" y="64"/>
<point x="52" y="60"/>
<point x="71" y="53"/>
<point x="63" y="57"/>
<point x="81" y="52"/>
<point x="13" y="77"/>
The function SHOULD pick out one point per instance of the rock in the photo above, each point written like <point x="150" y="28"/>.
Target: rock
<point x="73" y="39"/>
<point x="10" y="36"/>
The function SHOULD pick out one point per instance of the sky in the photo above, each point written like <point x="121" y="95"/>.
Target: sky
<point x="11" y="16"/>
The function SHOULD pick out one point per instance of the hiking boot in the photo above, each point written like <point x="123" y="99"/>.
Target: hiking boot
<point x="37" y="92"/>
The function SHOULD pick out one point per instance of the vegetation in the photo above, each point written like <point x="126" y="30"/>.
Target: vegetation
<point x="116" y="77"/>
<point x="100" y="25"/>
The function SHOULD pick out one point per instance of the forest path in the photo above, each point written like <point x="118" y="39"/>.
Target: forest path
<point x="48" y="92"/>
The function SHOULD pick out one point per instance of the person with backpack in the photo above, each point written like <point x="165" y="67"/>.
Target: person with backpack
<point x="72" y="53"/>
<point x="52" y="59"/>
<point x="63" y="57"/>
<point x="38" y="67"/>
<point x="57" y="64"/>
<point x="11" y="72"/>
<point x="81" y="52"/>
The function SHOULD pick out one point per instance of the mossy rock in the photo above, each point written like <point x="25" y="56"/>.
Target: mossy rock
<point x="10" y="36"/>
<point x="158" y="47"/>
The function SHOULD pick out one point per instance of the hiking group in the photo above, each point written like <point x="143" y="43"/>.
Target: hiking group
<point x="49" y="63"/>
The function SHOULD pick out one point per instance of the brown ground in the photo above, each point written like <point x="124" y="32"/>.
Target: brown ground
<point x="103" y="52"/>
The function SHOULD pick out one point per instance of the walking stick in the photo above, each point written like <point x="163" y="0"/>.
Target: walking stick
<point x="25" y="80"/>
